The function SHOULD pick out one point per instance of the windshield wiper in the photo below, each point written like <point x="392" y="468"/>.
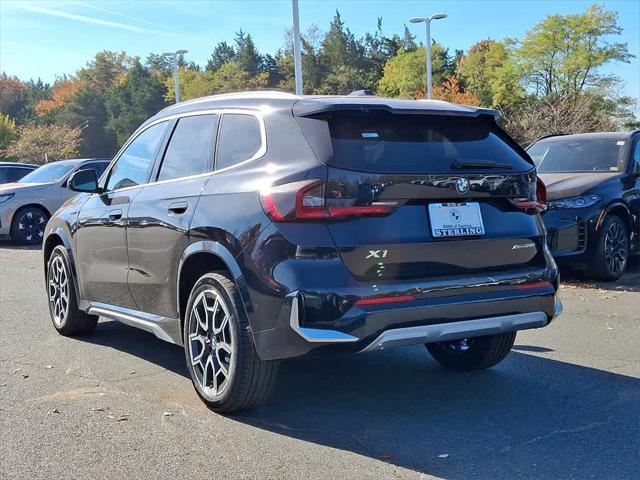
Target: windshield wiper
<point x="480" y="164"/>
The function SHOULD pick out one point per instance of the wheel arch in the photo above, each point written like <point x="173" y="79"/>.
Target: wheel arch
<point x="55" y="236"/>
<point x="204" y="257"/>
<point x="616" y="208"/>
<point x="31" y="205"/>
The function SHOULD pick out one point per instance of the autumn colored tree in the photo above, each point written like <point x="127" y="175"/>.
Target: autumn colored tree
<point x="63" y="90"/>
<point x="11" y="91"/>
<point x="450" y="91"/>
<point x="35" y="143"/>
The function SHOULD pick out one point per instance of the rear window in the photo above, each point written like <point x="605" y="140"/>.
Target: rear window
<point x="240" y="139"/>
<point x="383" y="142"/>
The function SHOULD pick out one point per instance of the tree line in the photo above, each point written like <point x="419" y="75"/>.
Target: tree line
<point x="550" y="81"/>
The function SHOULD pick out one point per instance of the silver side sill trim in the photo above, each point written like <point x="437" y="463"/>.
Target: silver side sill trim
<point x="315" y="335"/>
<point x="167" y="329"/>
<point x="456" y="330"/>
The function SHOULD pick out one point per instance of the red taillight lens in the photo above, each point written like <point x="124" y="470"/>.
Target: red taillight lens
<point x="538" y="203"/>
<point x="306" y="201"/>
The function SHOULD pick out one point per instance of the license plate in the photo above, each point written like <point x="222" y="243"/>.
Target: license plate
<point x="455" y="219"/>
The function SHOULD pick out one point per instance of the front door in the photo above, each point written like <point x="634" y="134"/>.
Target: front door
<point x="102" y="257"/>
<point x="160" y="215"/>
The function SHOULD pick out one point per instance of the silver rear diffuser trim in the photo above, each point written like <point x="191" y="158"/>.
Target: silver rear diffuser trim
<point x="315" y="335"/>
<point x="443" y="332"/>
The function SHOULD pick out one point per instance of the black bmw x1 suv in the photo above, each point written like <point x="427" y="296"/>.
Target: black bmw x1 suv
<point x="256" y="227"/>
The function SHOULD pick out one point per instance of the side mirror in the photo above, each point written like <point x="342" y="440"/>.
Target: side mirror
<point x="84" y="181"/>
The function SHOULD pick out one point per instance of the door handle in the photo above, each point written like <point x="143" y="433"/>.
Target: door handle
<point x="178" y="208"/>
<point x="115" y="215"/>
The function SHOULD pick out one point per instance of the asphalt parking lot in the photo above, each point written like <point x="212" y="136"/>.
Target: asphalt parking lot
<point x="564" y="404"/>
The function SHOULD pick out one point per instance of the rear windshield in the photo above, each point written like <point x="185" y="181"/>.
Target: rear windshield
<point x="564" y="155"/>
<point x="384" y="142"/>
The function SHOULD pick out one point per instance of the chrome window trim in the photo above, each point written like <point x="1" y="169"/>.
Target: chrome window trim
<point x="217" y="111"/>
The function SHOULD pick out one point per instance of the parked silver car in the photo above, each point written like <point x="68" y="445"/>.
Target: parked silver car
<point x="26" y="205"/>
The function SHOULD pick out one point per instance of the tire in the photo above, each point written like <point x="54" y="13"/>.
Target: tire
<point x="473" y="353"/>
<point x="611" y="252"/>
<point x="67" y="318"/>
<point x="225" y="369"/>
<point x="27" y="226"/>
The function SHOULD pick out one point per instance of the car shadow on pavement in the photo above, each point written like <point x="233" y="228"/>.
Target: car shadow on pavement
<point x="6" y="245"/>
<point x="529" y="417"/>
<point x="629" y="281"/>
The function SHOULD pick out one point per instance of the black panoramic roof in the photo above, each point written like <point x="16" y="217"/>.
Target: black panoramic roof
<point x="304" y="105"/>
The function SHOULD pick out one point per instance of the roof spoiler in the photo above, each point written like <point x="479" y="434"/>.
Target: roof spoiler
<point x="312" y="107"/>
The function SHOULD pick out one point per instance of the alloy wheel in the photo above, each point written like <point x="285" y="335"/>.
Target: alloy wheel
<point x="31" y="225"/>
<point x="211" y="342"/>
<point x="615" y="248"/>
<point x="58" y="291"/>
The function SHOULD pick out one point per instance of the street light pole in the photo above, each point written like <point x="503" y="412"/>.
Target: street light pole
<point x="176" y="79"/>
<point x="427" y="21"/>
<point x="297" y="54"/>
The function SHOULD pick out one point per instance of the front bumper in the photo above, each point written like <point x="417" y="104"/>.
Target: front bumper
<point x="432" y="317"/>
<point x="570" y="231"/>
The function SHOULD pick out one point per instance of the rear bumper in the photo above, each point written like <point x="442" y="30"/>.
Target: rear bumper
<point x="431" y="317"/>
<point x="443" y="332"/>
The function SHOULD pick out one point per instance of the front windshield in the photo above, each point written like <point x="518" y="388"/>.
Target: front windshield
<point x="49" y="173"/>
<point x="566" y="155"/>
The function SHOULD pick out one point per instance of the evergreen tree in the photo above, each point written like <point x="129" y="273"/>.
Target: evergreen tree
<point x="222" y="53"/>
<point x="247" y="54"/>
<point x="132" y="101"/>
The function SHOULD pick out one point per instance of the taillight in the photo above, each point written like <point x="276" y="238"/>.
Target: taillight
<point x="306" y="201"/>
<point x="538" y="203"/>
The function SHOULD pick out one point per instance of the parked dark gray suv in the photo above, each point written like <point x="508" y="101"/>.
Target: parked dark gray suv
<point x="252" y="228"/>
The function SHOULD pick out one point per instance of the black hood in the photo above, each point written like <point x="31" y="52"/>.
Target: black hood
<point x="566" y="185"/>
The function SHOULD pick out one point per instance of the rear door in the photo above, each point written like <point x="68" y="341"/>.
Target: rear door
<point x="160" y="215"/>
<point x="448" y="184"/>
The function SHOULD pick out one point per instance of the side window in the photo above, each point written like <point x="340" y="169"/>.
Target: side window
<point x="240" y="139"/>
<point x="636" y="151"/>
<point x="99" y="167"/>
<point x="134" y="165"/>
<point x="190" y="148"/>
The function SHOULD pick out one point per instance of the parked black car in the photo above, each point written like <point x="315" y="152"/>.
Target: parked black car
<point x="593" y="192"/>
<point x="257" y="227"/>
<point x="14" y="171"/>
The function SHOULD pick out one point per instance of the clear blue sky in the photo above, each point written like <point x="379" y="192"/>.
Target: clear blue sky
<point x="49" y="38"/>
